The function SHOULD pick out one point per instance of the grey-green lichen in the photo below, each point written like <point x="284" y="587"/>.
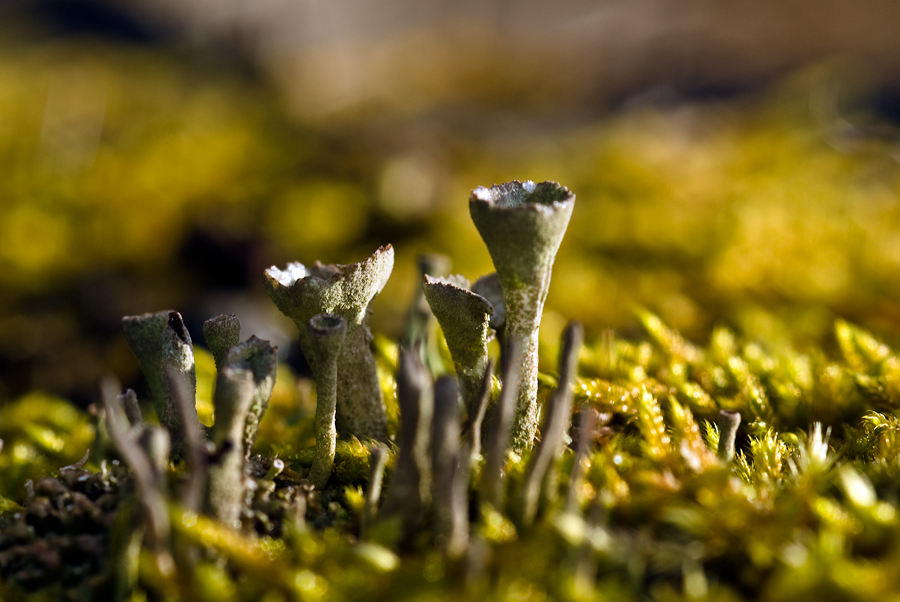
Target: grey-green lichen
<point x="326" y="333"/>
<point x="643" y="509"/>
<point x="465" y="321"/>
<point x="245" y="377"/>
<point x="256" y="357"/>
<point x="235" y="393"/>
<point x="662" y="520"/>
<point x="345" y="290"/>
<point x="165" y="352"/>
<point x="523" y="224"/>
<point x="727" y="422"/>
<point x="222" y="333"/>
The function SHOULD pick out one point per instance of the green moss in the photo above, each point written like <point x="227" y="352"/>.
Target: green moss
<point x="41" y="433"/>
<point x="741" y="258"/>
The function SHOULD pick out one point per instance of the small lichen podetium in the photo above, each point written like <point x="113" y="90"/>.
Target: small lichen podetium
<point x="450" y="471"/>
<point x="258" y="357"/>
<point x="345" y="290"/>
<point x="327" y="332"/>
<point x="409" y="493"/>
<point x="489" y="287"/>
<point x="164" y="350"/>
<point x="556" y="424"/>
<point x="465" y="319"/>
<point x="492" y="483"/>
<point x="421" y="325"/>
<point x="148" y="477"/>
<point x="221" y="333"/>
<point x="246" y="376"/>
<point x="523" y="224"/>
<point x="728" y="423"/>
<point x="235" y="392"/>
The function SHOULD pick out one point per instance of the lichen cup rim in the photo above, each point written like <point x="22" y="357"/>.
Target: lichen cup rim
<point x="523" y="225"/>
<point x="296" y="272"/>
<point x="348" y="290"/>
<point x="459" y="283"/>
<point x="544" y="196"/>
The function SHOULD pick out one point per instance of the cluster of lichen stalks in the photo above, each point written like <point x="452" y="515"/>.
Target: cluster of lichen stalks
<point x="440" y="438"/>
<point x="651" y="513"/>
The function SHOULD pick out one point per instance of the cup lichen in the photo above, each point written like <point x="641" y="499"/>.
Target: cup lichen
<point x="345" y="290"/>
<point x="523" y="224"/>
<point x="165" y="352"/>
<point x="465" y="321"/>
<point x="235" y="392"/>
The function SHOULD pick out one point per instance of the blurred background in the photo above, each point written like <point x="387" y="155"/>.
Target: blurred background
<point x="735" y="162"/>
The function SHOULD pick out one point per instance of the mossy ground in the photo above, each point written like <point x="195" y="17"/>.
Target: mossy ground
<point x="807" y="508"/>
<point x="752" y="229"/>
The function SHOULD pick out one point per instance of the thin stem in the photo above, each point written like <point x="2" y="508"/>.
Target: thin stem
<point x="556" y="424"/>
<point x="150" y="496"/>
<point x="476" y="419"/>
<point x="193" y="445"/>
<point x="492" y="473"/>
<point x="326" y="332"/>
<point x="129" y="402"/>
<point x="587" y="427"/>
<point x="156" y="445"/>
<point x="728" y="423"/>
<point x="377" y="459"/>
<point x="445" y="461"/>
<point x="410" y="491"/>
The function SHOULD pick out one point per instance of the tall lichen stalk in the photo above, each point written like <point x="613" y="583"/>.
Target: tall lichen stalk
<point x="522" y="225"/>
<point x="326" y="332"/>
<point x="234" y="397"/>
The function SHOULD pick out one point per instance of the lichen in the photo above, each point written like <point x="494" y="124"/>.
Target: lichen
<point x="345" y="290"/>
<point x="522" y="225"/>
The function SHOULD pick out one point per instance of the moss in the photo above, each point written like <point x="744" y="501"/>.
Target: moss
<point x="658" y="514"/>
<point x="741" y="259"/>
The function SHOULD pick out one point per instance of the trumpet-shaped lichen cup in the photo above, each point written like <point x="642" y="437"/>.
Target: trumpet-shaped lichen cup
<point x="465" y="320"/>
<point x="523" y="224"/>
<point x="347" y="291"/>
